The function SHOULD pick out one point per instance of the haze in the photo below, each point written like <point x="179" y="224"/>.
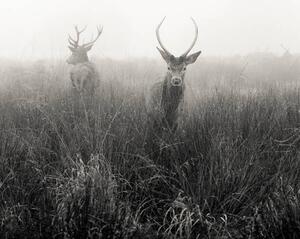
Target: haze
<point x="35" y="29"/>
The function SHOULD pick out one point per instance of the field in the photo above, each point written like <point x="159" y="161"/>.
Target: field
<point x="232" y="170"/>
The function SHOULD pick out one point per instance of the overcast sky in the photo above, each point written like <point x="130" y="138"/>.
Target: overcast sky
<point x="39" y="28"/>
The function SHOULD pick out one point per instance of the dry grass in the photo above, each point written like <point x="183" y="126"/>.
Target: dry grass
<point x="231" y="171"/>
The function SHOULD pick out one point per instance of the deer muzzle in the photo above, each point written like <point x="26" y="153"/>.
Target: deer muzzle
<point x="176" y="81"/>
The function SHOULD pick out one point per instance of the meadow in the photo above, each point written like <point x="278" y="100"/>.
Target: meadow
<point x="232" y="170"/>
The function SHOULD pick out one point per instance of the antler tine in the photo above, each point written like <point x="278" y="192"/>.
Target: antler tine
<point x="195" y="39"/>
<point x="80" y="31"/>
<point x="158" y="37"/>
<point x="73" y="42"/>
<point x="99" y="31"/>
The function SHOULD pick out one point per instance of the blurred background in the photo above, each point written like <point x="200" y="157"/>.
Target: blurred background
<point x="34" y="29"/>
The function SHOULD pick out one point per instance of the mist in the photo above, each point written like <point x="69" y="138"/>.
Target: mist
<point x="34" y="29"/>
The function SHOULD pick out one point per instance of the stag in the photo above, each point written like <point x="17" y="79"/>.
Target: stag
<point x="84" y="76"/>
<point x="165" y="97"/>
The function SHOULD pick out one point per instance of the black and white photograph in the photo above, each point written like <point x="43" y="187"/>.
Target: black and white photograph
<point x="162" y="119"/>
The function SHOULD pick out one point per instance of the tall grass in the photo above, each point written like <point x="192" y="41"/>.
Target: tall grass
<point x="232" y="170"/>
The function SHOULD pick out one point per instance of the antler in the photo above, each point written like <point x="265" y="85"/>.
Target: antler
<point x="74" y="43"/>
<point x="158" y="37"/>
<point x="194" y="41"/>
<point x="99" y="31"/>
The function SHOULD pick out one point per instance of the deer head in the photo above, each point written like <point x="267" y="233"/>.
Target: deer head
<point x="79" y="52"/>
<point x="177" y="65"/>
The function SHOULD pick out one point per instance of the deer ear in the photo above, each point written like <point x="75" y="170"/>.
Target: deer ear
<point x="192" y="58"/>
<point x="72" y="49"/>
<point x="164" y="55"/>
<point x="88" y="48"/>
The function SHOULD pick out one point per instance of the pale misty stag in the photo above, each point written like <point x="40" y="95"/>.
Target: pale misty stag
<point x="84" y="76"/>
<point x="165" y="98"/>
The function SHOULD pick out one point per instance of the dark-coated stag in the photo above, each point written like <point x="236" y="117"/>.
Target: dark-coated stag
<point x="165" y="97"/>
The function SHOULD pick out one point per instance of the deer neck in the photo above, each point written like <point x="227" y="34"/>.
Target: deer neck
<point x="171" y="95"/>
<point x="83" y="59"/>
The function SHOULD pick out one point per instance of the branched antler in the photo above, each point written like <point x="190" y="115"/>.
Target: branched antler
<point x="158" y="37"/>
<point x="194" y="41"/>
<point x="165" y="49"/>
<point x="75" y="43"/>
<point x="99" y="31"/>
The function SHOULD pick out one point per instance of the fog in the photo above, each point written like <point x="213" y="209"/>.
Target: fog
<point x="32" y="29"/>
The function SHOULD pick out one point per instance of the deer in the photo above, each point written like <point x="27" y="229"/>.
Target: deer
<point x="164" y="100"/>
<point x="84" y="76"/>
<point x="165" y="97"/>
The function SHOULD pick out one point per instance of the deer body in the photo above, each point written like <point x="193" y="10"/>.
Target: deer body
<point x="165" y="98"/>
<point x="84" y="76"/>
<point x="164" y="103"/>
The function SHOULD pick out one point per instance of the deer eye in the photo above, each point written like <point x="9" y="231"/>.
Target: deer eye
<point x="169" y="68"/>
<point x="184" y="68"/>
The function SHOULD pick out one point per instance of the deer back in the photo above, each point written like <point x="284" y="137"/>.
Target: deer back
<point x="85" y="77"/>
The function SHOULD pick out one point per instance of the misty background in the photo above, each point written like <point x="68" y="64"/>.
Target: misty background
<point x="34" y="29"/>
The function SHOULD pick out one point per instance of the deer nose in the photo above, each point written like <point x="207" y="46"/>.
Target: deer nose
<point x="176" y="81"/>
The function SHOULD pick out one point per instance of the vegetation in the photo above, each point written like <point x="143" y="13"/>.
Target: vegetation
<point x="232" y="170"/>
